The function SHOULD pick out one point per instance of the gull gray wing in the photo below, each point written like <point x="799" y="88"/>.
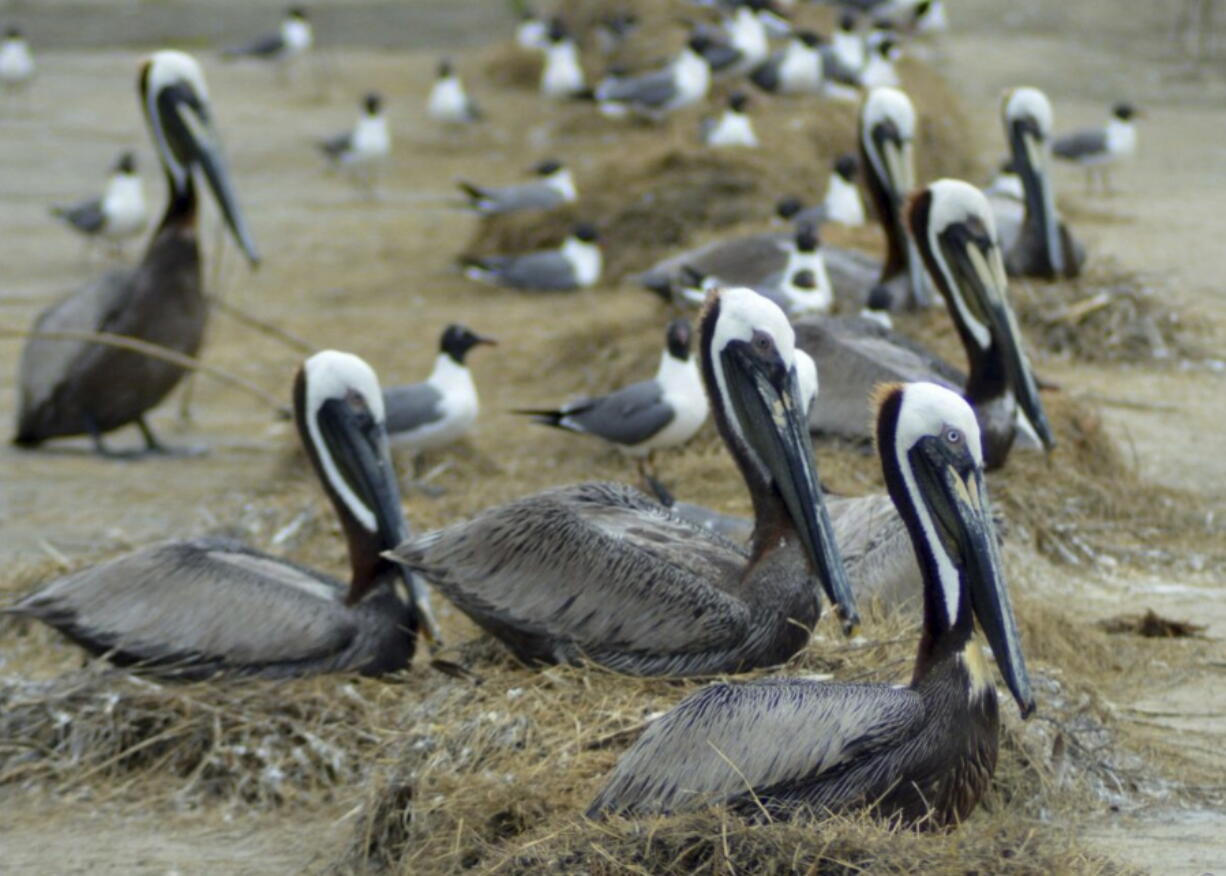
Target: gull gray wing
<point x="262" y="47"/>
<point x="411" y="406"/>
<point x="47" y="364"/>
<point x="1081" y="144"/>
<point x="201" y="605"/>
<point x="650" y="90"/>
<point x="728" y="740"/>
<point x="509" y="199"/>
<point x="336" y="146"/>
<point x="586" y="568"/>
<point x="628" y="416"/>
<point x="741" y="261"/>
<point x="85" y="216"/>
<point x="548" y="270"/>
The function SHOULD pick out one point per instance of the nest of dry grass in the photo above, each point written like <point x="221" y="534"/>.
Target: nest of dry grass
<point x="258" y="744"/>
<point x="1108" y="316"/>
<point x="661" y="190"/>
<point x="493" y="776"/>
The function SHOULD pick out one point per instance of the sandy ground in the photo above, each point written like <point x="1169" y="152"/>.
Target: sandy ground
<point x="375" y="278"/>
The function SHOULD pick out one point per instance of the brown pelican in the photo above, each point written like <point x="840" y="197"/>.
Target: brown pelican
<point x="191" y="609"/>
<point x="921" y="753"/>
<point x="80" y="388"/>
<point x="952" y="224"/>
<point x="601" y="572"/>
<point x="886" y="135"/>
<point x="1045" y="248"/>
<point x="1099" y="148"/>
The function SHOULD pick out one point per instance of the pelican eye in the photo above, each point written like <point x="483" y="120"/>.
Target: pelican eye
<point x="763" y="344"/>
<point x="953" y="437"/>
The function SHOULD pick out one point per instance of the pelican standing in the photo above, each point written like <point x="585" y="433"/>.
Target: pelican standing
<point x="81" y="388"/>
<point x="923" y="753"/>
<point x="195" y="608"/>
<point x="600" y="572"/>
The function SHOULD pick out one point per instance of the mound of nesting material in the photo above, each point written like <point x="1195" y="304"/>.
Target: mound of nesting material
<point x="1107" y="316"/>
<point x="655" y="189"/>
<point x="261" y="744"/>
<point x="494" y="775"/>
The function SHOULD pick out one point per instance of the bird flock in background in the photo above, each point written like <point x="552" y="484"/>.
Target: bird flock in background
<point x="781" y="338"/>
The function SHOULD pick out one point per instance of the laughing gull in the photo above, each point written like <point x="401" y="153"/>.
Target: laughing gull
<point x="119" y="214"/>
<point x="842" y="203"/>
<point x="654" y="95"/>
<point x="363" y="150"/>
<point x="442" y="409"/>
<point x="800" y="293"/>
<point x="879" y="68"/>
<point x="639" y="419"/>
<point x="16" y="61"/>
<point x="846" y="56"/>
<point x="573" y="265"/>
<point x="733" y="128"/>
<point x="1096" y="149"/>
<point x="552" y="187"/>
<point x="797" y="69"/>
<point x="532" y="32"/>
<point x="562" y="76"/>
<point x="744" y="43"/>
<point x="448" y="101"/>
<point x="292" y="40"/>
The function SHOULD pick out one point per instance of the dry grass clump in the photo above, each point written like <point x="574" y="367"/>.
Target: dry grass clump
<point x="258" y="743"/>
<point x="1108" y="316"/>
<point x="494" y="775"/>
<point x="1086" y="504"/>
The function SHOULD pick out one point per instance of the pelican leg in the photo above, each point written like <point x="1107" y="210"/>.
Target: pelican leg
<point x="155" y="447"/>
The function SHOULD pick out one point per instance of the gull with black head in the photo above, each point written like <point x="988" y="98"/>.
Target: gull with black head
<point x="552" y="187"/>
<point x="362" y="150"/>
<point x="663" y="412"/>
<point x="205" y="606"/>
<point x="598" y="572"/>
<point x="575" y="264"/>
<point x="116" y="216"/>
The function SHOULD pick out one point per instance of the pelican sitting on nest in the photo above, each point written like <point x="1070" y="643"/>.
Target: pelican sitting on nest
<point x="663" y="412"/>
<point x="923" y="753"/>
<point x="192" y="609"/>
<point x="1045" y="247"/>
<point x="82" y="388"/>
<point x="600" y="572"/>
<point x="952" y="223"/>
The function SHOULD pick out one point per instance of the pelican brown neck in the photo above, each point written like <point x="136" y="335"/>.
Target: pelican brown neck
<point x="932" y="462"/>
<point x="319" y="431"/>
<point x="748" y="369"/>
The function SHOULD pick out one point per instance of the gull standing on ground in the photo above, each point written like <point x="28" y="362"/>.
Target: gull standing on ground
<point x="16" y="61"/>
<point x="663" y="412"/>
<point x="448" y="101"/>
<point x="1097" y="149"/>
<point x="842" y="203"/>
<point x="562" y="76"/>
<point x="362" y="151"/>
<point x="292" y="40"/>
<point x="683" y="82"/>
<point x="733" y="128"/>
<point x="116" y="216"/>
